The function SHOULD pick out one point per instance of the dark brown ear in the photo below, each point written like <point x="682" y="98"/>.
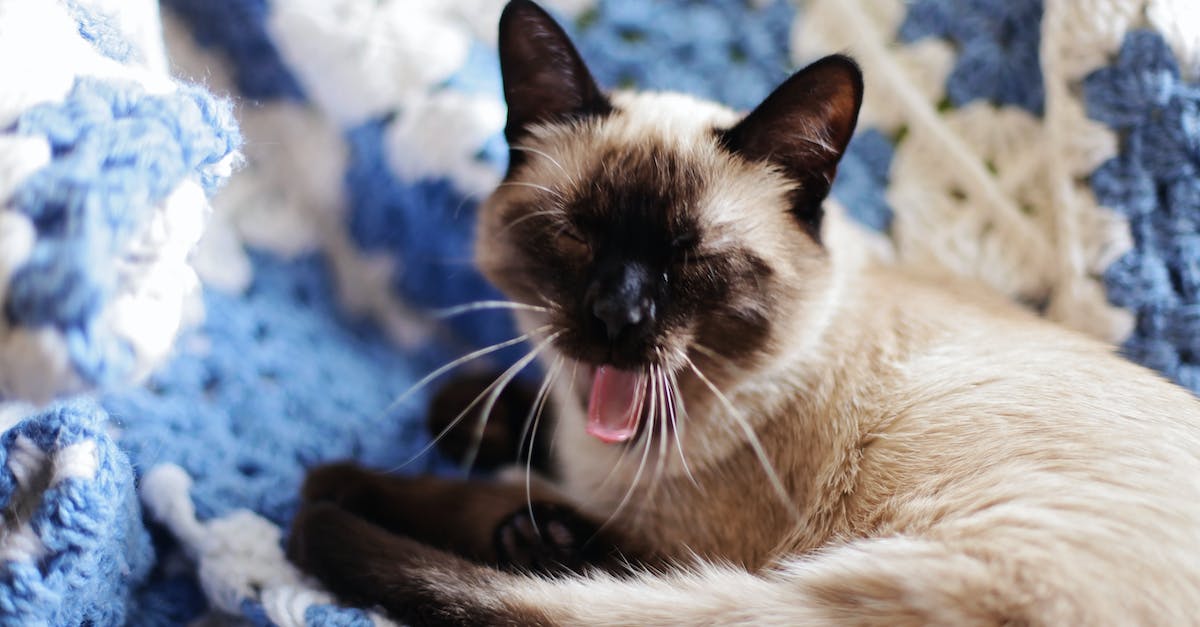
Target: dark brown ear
<point x="803" y="127"/>
<point x="545" y="79"/>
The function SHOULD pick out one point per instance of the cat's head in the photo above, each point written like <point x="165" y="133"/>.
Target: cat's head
<point x="657" y="228"/>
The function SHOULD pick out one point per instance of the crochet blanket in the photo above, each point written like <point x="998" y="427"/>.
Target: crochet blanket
<point x="221" y="259"/>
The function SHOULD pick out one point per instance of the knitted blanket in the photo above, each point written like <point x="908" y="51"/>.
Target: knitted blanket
<point x="221" y="260"/>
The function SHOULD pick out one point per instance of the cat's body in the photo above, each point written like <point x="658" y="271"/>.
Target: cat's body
<point x="936" y="454"/>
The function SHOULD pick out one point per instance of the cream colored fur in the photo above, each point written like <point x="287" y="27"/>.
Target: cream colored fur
<point x="949" y="458"/>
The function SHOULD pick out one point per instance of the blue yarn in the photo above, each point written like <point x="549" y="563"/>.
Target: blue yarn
<point x="96" y="548"/>
<point x="101" y="31"/>
<point x="275" y="381"/>
<point x="237" y="28"/>
<point x="117" y="152"/>
<point x="428" y="226"/>
<point x="862" y="180"/>
<point x="479" y="74"/>
<point x="681" y="45"/>
<point x="333" y="616"/>
<point x="256" y="614"/>
<point x="166" y="601"/>
<point x="997" y="43"/>
<point x="1154" y="182"/>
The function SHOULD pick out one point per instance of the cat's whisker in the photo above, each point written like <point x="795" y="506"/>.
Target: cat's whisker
<point x="570" y="394"/>
<point x="534" y="418"/>
<point x="503" y="381"/>
<point x="544" y="155"/>
<point x="473" y="196"/>
<point x="677" y="397"/>
<point x="535" y="409"/>
<point x="530" y="216"/>
<point x="752" y="439"/>
<point x="637" y="477"/>
<point x="660" y="416"/>
<point x="481" y="305"/>
<point x="506" y="375"/>
<point x="543" y="188"/>
<point x="648" y="429"/>
<point x="458" y="362"/>
<point x="717" y="359"/>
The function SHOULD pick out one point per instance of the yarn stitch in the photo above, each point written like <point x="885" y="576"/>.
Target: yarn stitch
<point x="373" y="129"/>
<point x="1154" y="182"/>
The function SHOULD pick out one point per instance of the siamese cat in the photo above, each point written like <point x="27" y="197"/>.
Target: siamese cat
<point x="747" y="430"/>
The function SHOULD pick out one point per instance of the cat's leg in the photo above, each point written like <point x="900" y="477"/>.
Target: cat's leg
<point x="500" y="523"/>
<point x="874" y="582"/>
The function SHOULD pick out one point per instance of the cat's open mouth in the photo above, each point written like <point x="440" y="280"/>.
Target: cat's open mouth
<point x="622" y="405"/>
<point x="616" y="404"/>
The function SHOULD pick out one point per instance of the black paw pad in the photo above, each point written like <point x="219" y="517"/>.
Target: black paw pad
<point x="548" y="539"/>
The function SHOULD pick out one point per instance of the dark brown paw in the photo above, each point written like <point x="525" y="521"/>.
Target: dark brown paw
<point x="553" y="540"/>
<point x="498" y="444"/>
<point x="315" y="528"/>
<point x="342" y="483"/>
<point x="364" y="565"/>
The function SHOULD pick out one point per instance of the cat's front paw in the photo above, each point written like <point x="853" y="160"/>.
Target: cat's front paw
<point x="364" y="565"/>
<point x="315" y="541"/>
<point x="342" y="483"/>
<point x="550" y="539"/>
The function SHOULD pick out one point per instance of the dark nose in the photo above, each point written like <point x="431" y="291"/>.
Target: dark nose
<point x="624" y="301"/>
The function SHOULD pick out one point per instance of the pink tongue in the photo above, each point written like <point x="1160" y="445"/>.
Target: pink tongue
<point x="615" y="406"/>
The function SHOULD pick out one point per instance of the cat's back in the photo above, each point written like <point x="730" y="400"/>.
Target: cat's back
<point x="1034" y="447"/>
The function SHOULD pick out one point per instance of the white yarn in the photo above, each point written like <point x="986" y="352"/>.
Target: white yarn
<point x="13" y="413"/>
<point x="219" y="258"/>
<point x="17" y="236"/>
<point x="298" y="160"/>
<point x="295" y="160"/>
<point x="288" y="199"/>
<point x="239" y="556"/>
<point x="361" y="59"/>
<point x="41" y="55"/>
<point x="34" y="366"/>
<point x="39" y="50"/>
<point x="481" y="16"/>
<point x="25" y="460"/>
<point x="286" y="605"/>
<point x="1179" y="23"/>
<point x="991" y="192"/>
<point x="20" y="156"/>
<point x="77" y="461"/>
<point x="35" y="471"/>
<point x="140" y="22"/>
<point x="438" y="135"/>
<point x="19" y="542"/>
<point x="148" y="308"/>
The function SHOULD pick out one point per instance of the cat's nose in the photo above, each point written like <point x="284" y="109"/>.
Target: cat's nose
<point x="624" y="301"/>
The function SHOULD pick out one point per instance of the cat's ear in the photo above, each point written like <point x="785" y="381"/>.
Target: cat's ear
<point x="804" y="127"/>
<point x="545" y="79"/>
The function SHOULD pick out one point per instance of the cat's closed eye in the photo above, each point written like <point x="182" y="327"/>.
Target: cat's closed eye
<point x="572" y="243"/>
<point x="684" y="242"/>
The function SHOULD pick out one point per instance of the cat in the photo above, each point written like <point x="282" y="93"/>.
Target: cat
<point x="749" y="426"/>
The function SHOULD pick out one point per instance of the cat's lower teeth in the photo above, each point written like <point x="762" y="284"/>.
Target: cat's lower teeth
<point x="616" y="404"/>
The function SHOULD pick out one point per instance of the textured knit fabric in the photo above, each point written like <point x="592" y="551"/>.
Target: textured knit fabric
<point x="1047" y="149"/>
